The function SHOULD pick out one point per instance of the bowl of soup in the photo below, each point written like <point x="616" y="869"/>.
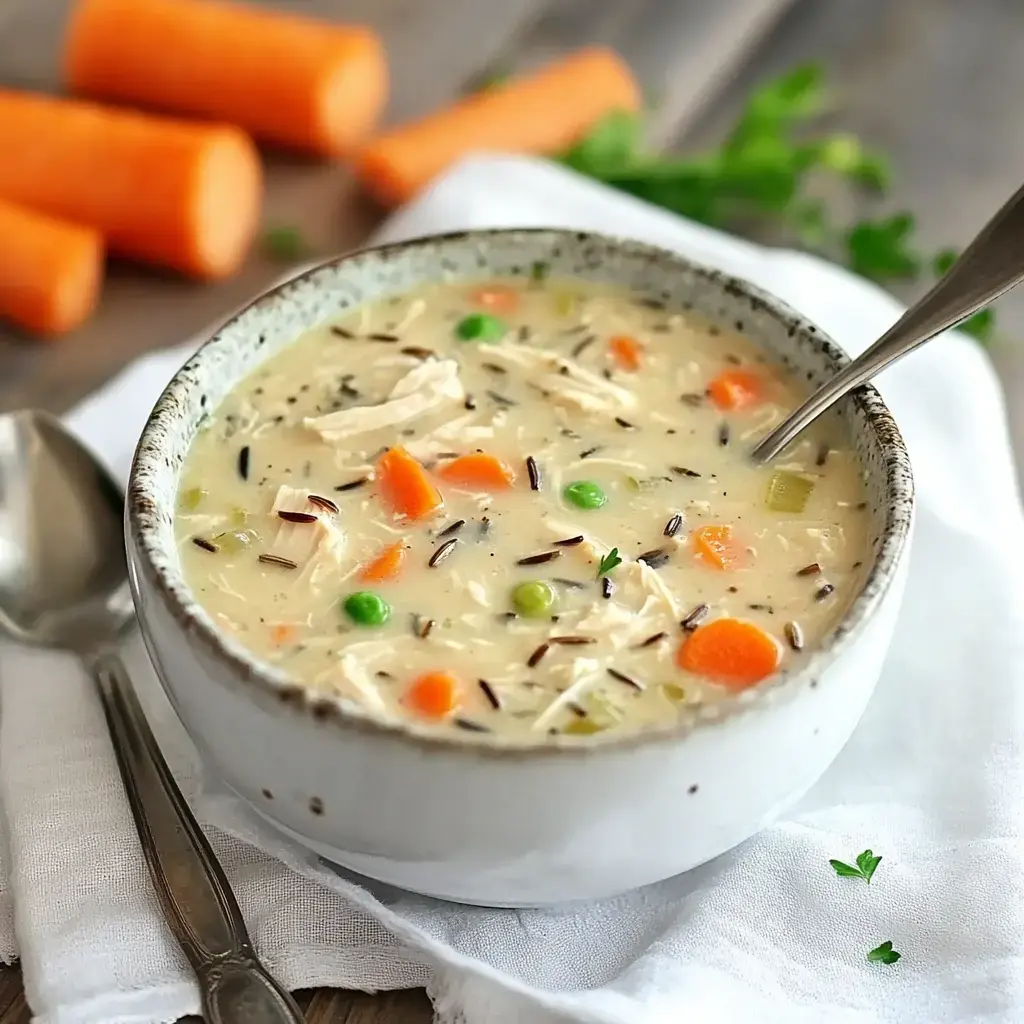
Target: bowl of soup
<point x="452" y="560"/>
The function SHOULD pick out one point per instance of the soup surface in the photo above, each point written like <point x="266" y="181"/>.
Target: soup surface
<point x="522" y="507"/>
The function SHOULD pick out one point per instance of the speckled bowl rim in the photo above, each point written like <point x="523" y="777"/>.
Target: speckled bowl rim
<point x="255" y="675"/>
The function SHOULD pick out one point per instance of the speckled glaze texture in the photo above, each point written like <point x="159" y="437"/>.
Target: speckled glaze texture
<point x="466" y="816"/>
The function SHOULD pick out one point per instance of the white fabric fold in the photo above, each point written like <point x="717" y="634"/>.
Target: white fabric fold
<point x="931" y="779"/>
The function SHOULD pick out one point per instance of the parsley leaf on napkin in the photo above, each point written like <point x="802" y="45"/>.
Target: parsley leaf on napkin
<point x="884" y="953"/>
<point x="865" y="866"/>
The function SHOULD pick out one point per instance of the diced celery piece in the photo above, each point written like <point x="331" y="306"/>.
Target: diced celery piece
<point x="239" y="517"/>
<point x="565" y="303"/>
<point x="672" y="692"/>
<point x="788" y="492"/>
<point x="583" y="727"/>
<point x="632" y="484"/>
<point x="601" y="710"/>
<point x="192" y="498"/>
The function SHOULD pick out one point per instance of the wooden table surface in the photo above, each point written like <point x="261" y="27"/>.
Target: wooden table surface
<point x="934" y="83"/>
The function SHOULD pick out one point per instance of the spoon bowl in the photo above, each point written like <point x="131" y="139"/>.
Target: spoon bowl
<point x="63" y="576"/>
<point x="62" y="566"/>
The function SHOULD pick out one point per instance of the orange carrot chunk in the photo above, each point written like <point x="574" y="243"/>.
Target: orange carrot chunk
<point x="627" y="352"/>
<point x="433" y="694"/>
<point x="717" y="546"/>
<point x="543" y="112"/>
<point x="385" y="566"/>
<point x="736" y="389"/>
<point x="733" y="652"/>
<point x="478" y="471"/>
<point x="50" y="270"/>
<point x="182" y="195"/>
<point x="405" y="486"/>
<point x="289" y="80"/>
<point x="497" y="297"/>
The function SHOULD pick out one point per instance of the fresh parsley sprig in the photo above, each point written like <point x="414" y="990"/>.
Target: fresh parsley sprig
<point x="866" y="863"/>
<point x="609" y="562"/>
<point x="884" y="953"/>
<point x="763" y="176"/>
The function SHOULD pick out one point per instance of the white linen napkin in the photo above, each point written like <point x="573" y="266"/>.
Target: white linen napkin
<point x="931" y="779"/>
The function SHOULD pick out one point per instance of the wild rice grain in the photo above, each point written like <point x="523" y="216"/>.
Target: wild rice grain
<point x="533" y="472"/>
<point x="325" y="503"/>
<point x="534" y="659"/>
<point x="607" y="587"/>
<point x="794" y="635"/>
<point x="723" y="434"/>
<point x="488" y="691"/>
<point x="381" y="336"/>
<point x="656" y="638"/>
<point x="418" y="352"/>
<point x="683" y="471"/>
<point x="296" y="517"/>
<point x="822" y="456"/>
<point x="570" y="542"/>
<point x="824" y="591"/>
<point x="695" y="617"/>
<point x="570" y="584"/>
<point x="243" y="462"/>
<point x="452" y="528"/>
<point x="425" y="627"/>
<point x="623" y="678"/>
<point x="625" y="424"/>
<point x="469" y="726"/>
<point x="540" y="558"/>
<point x="284" y="563"/>
<point x="655" y="558"/>
<point x="500" y="399"/>
<point x="571" y="641"/>
<point x="692" y="399"/>
<point x="673" y="525"/>
<point x="587" y="452"/>
<point x="206" y="545"/>
<point x="342" y="332"/>
<point x="581" y="346"/>
<point x="809" y="570"/>
<point x="353" y="484"/>
<point x="442" y="552"/>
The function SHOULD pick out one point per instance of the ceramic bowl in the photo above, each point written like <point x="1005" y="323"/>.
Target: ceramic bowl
<point x="467" y="817"/>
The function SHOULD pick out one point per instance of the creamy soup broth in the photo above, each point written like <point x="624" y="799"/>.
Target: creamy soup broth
<point x="422" y="508"/>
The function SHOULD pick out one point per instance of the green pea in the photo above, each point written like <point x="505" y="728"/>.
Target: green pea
<point x="365" y="608"/>
<point x="480" y="327"/>
<point x="585" y="494"/>
<point x="534" y="599"/>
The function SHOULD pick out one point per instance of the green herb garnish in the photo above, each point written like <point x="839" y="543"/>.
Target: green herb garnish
<point x="884" y="953"/>
<point x="609" y="562"/>
<point x="865" y="866"/>
<point x="761" y="177"/>
<point x="285" y="244"/>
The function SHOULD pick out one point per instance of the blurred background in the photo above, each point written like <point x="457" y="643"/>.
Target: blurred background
<point x="927" y="91"/>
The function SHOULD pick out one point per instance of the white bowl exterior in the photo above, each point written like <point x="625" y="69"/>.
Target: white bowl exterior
<point x="511" y="828"/>
<point x="507" y="831"/>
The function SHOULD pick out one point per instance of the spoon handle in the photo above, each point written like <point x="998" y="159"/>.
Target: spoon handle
<point x="193" y="891"/>
<point x="992" y="264"/>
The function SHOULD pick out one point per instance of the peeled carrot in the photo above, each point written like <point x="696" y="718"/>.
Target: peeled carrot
<point x="433" y="694"/>
<point x="181" y="195"/>
<point x="478" y="471"/>
<point x="50" y="270"/>
<point x="543" y="112"/>
<point x="289" y="80"/>
<point x="736" y="389"/>
<point x="733" y="652"/>
<point x="626" y="351"/>
<point x="495" y="296"/>
<point x="405" y="485"/>
<point x="716" y="545"/>
<point x="385" y="566"/>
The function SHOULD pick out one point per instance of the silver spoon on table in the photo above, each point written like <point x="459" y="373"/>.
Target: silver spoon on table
<point x="992" y="264"/>
<point x="63" y="583"/>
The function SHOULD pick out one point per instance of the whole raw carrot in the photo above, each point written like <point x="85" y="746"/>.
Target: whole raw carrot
<point x="538" y="113"/>
<point x="50" y="271"/>
<point x="288" y="80"/>
<point x="181" y="195"/>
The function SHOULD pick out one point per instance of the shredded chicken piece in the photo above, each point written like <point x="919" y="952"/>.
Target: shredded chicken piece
<point x="424" y="388"/>
<point x="565" y="380"/>
<point x="463" y="430"/>
<point x="300" y="542"/>
<point x="585" y="673"/>
<point x="353" y="671"/>
<point x="622" y="626"/>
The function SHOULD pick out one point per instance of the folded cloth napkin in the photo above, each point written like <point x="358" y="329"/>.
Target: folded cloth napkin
<point x="768" y="933"/>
